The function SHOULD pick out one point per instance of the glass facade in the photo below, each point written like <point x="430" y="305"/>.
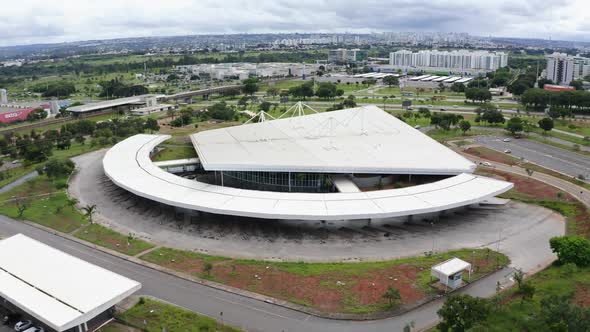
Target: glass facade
<point x="275" y="181"/>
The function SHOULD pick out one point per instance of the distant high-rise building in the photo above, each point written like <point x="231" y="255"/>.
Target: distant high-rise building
<point x="3" y="96"/>
<point x="342" y="55"/>
<point x="449" y="60"/>
<point x="560" y="68"/>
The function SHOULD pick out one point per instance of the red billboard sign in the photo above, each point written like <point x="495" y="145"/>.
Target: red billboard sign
<point x="11" y="116"/>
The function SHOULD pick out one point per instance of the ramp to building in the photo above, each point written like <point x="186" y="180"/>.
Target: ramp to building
<point x="344" y="184"/>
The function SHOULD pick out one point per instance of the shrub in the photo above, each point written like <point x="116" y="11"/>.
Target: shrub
<point x="571" y="249"/>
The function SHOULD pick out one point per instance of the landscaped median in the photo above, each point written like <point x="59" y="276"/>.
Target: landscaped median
<point x="150" y="315"/>
<point x="349" y="288"/>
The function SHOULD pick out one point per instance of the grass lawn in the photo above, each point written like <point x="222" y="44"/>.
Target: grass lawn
<point x="46" y="203"/>
<point x="330" y="287"/>
<point x="492" y="155"/>
<point x="160" y="316"/>
<point x="105" y="237"/>
<point x="15" y="173"/>
<point x="176" y="152"/>
<point x="453" y="134"/>
<point x="514" y="314"/>
<point x="531" y="191"/>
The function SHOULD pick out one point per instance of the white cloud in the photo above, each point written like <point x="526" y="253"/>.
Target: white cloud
<point x="34" y="21"/>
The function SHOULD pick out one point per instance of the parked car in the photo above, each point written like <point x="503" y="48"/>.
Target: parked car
<point x="506" y="140"/>
<point x="417" y="127"/>
<point x="35" y="329"/>
<point x="23" y="325"/>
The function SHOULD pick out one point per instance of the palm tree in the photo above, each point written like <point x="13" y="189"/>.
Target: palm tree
<point x="89" y="211"/>
<point x="392" y="295"/>
<point x="384" y="100"/>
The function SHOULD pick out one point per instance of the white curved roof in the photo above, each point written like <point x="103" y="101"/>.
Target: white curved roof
<point x="60" y="290"/>
<point x="129" y="166"/>
<point x="355" y="140"/>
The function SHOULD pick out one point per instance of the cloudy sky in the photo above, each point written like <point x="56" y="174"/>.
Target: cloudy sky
<point x="48" y="21"/>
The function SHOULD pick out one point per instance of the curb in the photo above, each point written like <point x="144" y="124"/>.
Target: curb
<point x="263" y="298"/>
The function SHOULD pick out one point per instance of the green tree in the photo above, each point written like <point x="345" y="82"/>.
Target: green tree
<point x="541" y="82"/>
<point x="571" y="249"/>
<point x="465" y="126"/>
<point x="559" y="314"/>
<point x="577" y="84"/>
<point x="554" y="112"/>
<point x="490" y="114"/>
<point x="89" y="211"/>
<point x="526" y="291"/>
<point x="391" y="81"/>
<point x="424" y="112"/>
<point x="392" y="295"/>
<point x="250" y="86"/>
<point x="514" y="126"/>
<point x="349" y="102"/>
<point x="264" y="106"/>
<point x="56" y="168"/>
<point x="207" y="268"/>
<point x="546" y="124"/>
<point x="458" y="87"/>
<point x="460" y="312"/>
<point x="151" y="125"/>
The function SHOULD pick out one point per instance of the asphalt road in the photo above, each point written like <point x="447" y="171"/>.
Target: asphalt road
<point x="255" y="315"/>
<point x="561" y="160"/>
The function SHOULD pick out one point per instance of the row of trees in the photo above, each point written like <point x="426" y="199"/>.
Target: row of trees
<point x="218" y="111"/>
<point x="59" y="89"/>
<point x="117" y="89"/>
<point x="481" y="95"/>
<point x="578" y="102"/>
<point x="125" y="64"/>
<point x="38" y="147"/>
<point x="324" y="90"/>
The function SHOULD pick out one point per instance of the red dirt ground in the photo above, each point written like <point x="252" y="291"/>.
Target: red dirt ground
<point x="528" y="186"/>
<point x="321" y="291"/>
<point x="582" y="297"/>
<point x="539" y="190"/>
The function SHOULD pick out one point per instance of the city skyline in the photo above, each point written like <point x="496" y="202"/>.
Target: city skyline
<point x="68" y="21"/>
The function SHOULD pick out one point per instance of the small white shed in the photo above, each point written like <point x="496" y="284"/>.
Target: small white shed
<point x="450" y="272"/>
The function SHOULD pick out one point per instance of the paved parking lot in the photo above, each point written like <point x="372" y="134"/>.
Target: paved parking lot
<point x="6" y="328"/>
<point x="564" y="161"/>
<point x="515" y="223"/>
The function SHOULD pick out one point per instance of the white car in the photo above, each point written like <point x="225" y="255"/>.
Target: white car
<point x="23" y="325"/>
<point x="506" y="140"/>
<point x="487" y="164"/>
<point x="507" y="151"/>
<point x="35" y="329"/>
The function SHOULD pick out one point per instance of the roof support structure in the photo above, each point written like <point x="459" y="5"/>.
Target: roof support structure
<point x="297" y="110"/>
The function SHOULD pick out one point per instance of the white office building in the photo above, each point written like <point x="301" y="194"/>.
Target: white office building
<point x="458" y="61"/>
<point x="560" y="68"/>
<point x="563" y="68"/>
